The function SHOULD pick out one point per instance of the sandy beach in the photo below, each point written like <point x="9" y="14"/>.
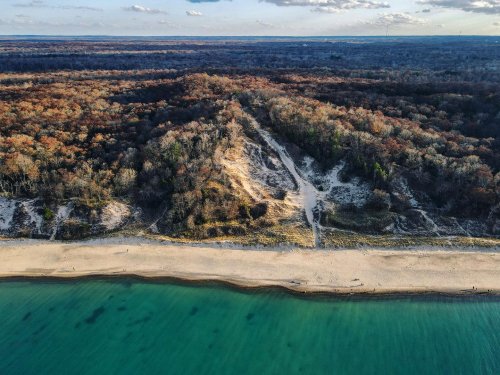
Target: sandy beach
<point x="332" y="271"/>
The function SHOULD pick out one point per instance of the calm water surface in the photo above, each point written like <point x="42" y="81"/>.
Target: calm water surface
<point x="131" y="327"/>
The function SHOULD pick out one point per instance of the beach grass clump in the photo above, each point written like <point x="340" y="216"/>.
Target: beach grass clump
<point x="343" y="239"/>
<point x="277" y="235"/>
<point x="367" y="222"/>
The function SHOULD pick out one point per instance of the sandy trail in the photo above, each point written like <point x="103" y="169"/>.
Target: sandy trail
<point x="334" y="271"/>
<point x="307" y="191"/>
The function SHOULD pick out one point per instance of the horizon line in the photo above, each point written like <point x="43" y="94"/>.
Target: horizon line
<point x="247" y="36"/>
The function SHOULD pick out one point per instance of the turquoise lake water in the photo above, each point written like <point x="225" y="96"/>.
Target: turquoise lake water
<point x="133" y="327"/>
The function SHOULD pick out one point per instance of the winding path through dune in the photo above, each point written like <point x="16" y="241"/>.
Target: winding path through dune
<point x="307" y="191"/>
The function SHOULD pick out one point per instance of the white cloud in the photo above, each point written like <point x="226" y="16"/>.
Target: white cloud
<point x="41" y="4"/>
<point x="143" y="9"/>
<point x="330" y="10"/>
<point x="396" y="19"/>
<point x="477" y="6"/>
<point x="194" y="13"/>
<point x="332" y="6"/>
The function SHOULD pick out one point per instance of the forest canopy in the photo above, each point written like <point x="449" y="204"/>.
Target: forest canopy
<point x="154" y="139"/>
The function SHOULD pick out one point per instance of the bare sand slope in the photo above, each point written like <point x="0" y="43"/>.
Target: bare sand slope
<point x="335" y="271"/>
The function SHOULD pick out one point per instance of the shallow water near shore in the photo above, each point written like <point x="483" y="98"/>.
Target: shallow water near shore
<point x="127" y="326"/>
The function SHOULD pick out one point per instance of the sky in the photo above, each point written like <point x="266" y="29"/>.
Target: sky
<point x="250" y="17"/>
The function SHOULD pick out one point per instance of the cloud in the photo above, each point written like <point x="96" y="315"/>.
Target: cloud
<point x="332" y="6"/>
<point x="477" y="6"/>
<point x="31" y="4"/>
<point x="326" y="10"/>
<point x="41" y="4"/>
<point x="396" y="19"/>
<point x="496" y="24"/>
<point x="168" y="24"/>
<point x="265" y="24"/>
<point x="143" y="9"/>
<point x="194" y="13"/>
<point x="23" y="22"/>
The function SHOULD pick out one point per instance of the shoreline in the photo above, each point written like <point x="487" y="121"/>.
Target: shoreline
<point x="245" y="288"/>
<point x="366" y="272"/>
